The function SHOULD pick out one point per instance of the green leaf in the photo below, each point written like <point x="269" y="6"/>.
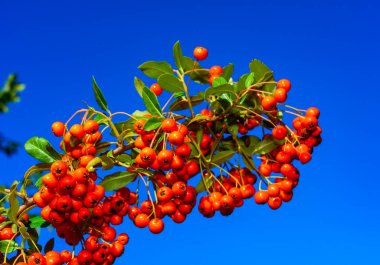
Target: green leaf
<point x="8" y="246"/>
<point x="124" y="158"/>
<point x="249" y="80"/>
<point x="222" y="157"/>
<point x="248" y="143"/>
<point x="36" y="169"/>
<point x="228" y="72"/>
<point x="178" y="55"/>
<point x="240" y="85"/>
<point x="153" y="123"/>
<point x="41" y="149"/>
<point x="201" y="185"/>
<point x="38" y="222"/>
<point x="100" y="99"/>
<point x="223" y="89"/>
<point x="259" y="69"/>
<point x="49" y="245"/>
<point x="182" y="104"/>
<point x="102" y="147"/>
<point x="14" y="204"/>
<point x="155" y="69"/>
<point x="195" y="71"/>
<point x="170" y="83"/>
<point x="266" y="146"/>
<point x="139" y="85"/>
<point x="117" y="180"/>
<point x="10" y="92"/>
<point x="151" y="102"/>
<point x="248" y="162"/>
<point x="107" y="162"/>
<point x="219" y="81"/>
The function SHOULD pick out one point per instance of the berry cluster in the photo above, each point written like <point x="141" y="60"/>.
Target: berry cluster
<point x="165" y="151"/>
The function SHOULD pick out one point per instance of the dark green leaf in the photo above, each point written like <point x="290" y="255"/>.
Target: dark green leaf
<point x="41" y="149"/>
<point x="195" y="71"/>
<point x="248" y="143"/>
<point x="222" y="157"/>
<point x="170" y="83"/>
<point x="217" y="91"/>
<point x="153" y="123"/>
<point x="107" y="162"/>
<point x="151" y="102"/>
<point x="102" y="147"/>
<point x="178" y="56"/>
<point x="233" y="129"/>
<point x="240" y="85"/>
<point x="37" y="222"/>
<point x="201" y="185"/>
<point x="248" y="162"/>
<point x="14" y="204"/>
<point x="266" y="146"/>
<point x="100" y="99"/>
<point x="117" y="180"/>
<point x="219" y="81"/>
<point x="36" y="169"/>
<point x="155" y="69"/>
<point x="49" y="245"/>
<point x="182" y="104"/>
<point x="139" y="85"/>
<point x="227" y="72"/>
<point x="10" y="92"/>
<point x="8" y="246"/>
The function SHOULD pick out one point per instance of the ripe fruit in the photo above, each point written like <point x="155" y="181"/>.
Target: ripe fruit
<point x="279" y="132"/>
<point x="156" y="226"/>
<point x="141" y="220"/>
<point x="261" y="197"/>
<point x="169" y="125"/>
<point x="216" y="70"/>
<point x="285" y="84"/>
<point x="58" y="128"/>
<point x="90" y="126"/>
<point x="77" y="131"/>
<point x="280" y="95"/>
<point x="274" y="202"/>
<point x="268" y="103"/>
<point x="156" y="89"/>
<point x="200" y="53"/>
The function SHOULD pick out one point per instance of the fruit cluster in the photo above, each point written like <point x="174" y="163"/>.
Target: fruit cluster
<point x="236" y="148"/>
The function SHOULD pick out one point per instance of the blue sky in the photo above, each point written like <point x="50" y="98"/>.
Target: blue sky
<point x="328" y="49"/>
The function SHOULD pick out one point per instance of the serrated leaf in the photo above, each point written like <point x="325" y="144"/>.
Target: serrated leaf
<point x="117" y="180"/>
<point x="38" y="222"/>
<point x="195" y="71"/>
<point x="219" y="81"/>
<point x="266" y="146"/>
<point x="260" y="69"/>
<point x="139" y="85"/>
<point x="220" y="90"/>
<point x="49" y="245"/>
<point x="154" y="69"/>
<point x="8" y="246"/>
<point x="151" y="102"/>
<point x="41" y="149"/>
<point x="201" y="184"/>
<point x="182" y="104"/>
<point x="222" y="157"/>
<point x="178" y="55"/>
<point x="170" y="83"/>
<point x="99" y="97"/>
<point x="36" y="169"/>
<point x="228" y="72"/>
<point x="153" y="123"/>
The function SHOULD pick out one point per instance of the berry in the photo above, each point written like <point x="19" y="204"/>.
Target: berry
<point x="285" y="84"/>
<point x="200" y="53"/>
<point x="58" y="128"/>
<point x="156" y="89"/>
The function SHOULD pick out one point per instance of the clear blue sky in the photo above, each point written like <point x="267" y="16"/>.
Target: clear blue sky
<point x="330" y="51"/>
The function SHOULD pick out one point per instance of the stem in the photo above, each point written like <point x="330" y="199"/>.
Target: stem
<point x="167" y="102"/>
